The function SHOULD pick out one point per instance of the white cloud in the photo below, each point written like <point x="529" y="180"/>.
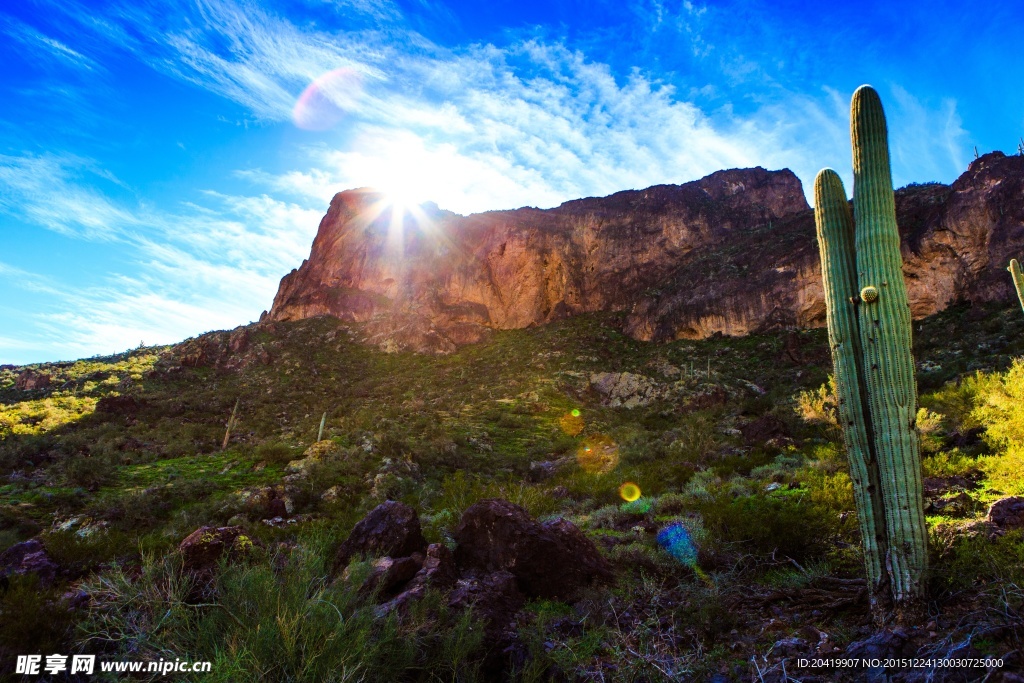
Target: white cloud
<point x="475" y="128"/>
<point x="207" y="266"/>
<point x="46" y="190"/>
<point x="929" y="141"/>
<point x="45" y="46"/>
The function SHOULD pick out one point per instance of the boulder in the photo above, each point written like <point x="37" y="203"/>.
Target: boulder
<point x="391" y="529"/>
<point x="626" y="389"/>
<point x="438" y="571"/>
<point x="885" y="644"/>
<point x="316" y="453"/>
<point x="494" y="597"/>
<point x="764" y="430"/>
<point x="28" y="558"/>
<point x="1007" y="513"/>
<point x="388" y="575"/>
<point x="203" y="548"/>
<point x="551" y="560"/>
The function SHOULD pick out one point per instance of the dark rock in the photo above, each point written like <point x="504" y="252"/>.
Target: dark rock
<point x="26" y="558"/>
<point x="391" y="529"/>
<point x="884" y="644"/>
<point x="791" y="647"/>
<point x="75" y="599"/>
<point x="551" y="560"/>
<point x="542" y="470"/>
<point x="276" y="507"/>
<point x="388" y="575"/>
<point x="494" y="597"/>
<point x="763" y="430"/>
<point x="438" y="571"/>
<point x="29" y="380"/>
<point x="1007" y="513"/>
<point x="203" y="548"/>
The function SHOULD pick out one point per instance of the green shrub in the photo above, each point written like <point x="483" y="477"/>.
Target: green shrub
<point x="765" y="525"/>
<point x="1000" y="406"/>
<point x="78" y="554"/>
<point x="276" y="452"/>
<point x="948" y="464"/>
<point x="88" y="471"/>
<point x="977" y="561"/>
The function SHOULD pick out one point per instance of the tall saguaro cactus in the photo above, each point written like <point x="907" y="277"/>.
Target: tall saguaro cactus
<point x="1018" y="280"/>
<point x="869" y="331"/>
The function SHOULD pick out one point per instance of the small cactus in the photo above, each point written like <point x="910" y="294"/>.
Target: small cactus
<point x="1018" y="280"/>
<point x="870" y="338"/>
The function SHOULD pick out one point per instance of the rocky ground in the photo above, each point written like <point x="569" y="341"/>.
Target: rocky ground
<point x="464" y="517"/>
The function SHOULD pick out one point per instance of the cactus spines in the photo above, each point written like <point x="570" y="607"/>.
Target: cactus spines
<point x="885" y="328"/>
<point x="1018" y="279"/>
<point x="883" y="370"/>
<point x="836" y="246"/>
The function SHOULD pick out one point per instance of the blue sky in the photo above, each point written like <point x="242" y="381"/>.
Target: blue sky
<point x="161" y="167"/>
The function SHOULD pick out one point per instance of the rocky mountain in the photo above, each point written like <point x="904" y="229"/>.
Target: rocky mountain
<point x="732" y="253"/>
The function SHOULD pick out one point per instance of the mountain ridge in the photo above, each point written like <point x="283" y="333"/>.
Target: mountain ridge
<point x="731" y="253"/>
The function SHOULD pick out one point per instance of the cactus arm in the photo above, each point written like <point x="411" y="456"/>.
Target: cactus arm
<point x="1018" y="279"/>
<point x="885" y="329"/>
<point x="835" y="230"/>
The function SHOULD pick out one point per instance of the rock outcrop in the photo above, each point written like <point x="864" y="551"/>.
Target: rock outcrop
<point x="27" y="558"/>
<point x="391" y="529"/>
<point x="733" y="253"/>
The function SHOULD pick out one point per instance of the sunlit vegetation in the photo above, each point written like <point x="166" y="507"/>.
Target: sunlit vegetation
<point x="741" y="449"/>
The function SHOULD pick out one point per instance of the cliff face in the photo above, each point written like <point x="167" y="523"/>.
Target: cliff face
<point x="734" y="252"/>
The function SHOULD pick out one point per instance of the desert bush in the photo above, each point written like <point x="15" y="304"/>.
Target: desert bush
<point x="276" y="452"/>
<point x="1005" y="471"/>
<point x="818" y="407"/>
<point x="948" y="463"/>
<point x="1000" y="406"/>
<point x="697" y="436"/>
<point x="88" y="471"/>
<point x="787" y="526"/>
<point x="459" y="491"/>
<point x="77" y="554"/>
<point x="973" y="561"/>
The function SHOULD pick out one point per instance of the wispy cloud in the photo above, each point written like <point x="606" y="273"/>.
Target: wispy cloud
<point x="929" y="140"/>
<point x="477" y="127"/>
<point x="47" y="190"/>
<point x="43" y="46"/>
<point x="207" y="265"/>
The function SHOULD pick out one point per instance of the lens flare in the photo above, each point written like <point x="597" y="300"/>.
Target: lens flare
<point x="629" y="492"/>
<point x="571" y="423"/>
<point x="325" y="101"/>
<point x="598" y="454"/>
<point x="575" y="412"/>
<point x="678" y="543"/>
